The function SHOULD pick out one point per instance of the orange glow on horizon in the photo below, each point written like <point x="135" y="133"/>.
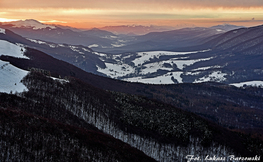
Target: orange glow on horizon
<point x="170" y="16"/>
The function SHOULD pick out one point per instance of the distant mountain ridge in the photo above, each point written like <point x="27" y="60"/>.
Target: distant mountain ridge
<point x="217" y="61"/>
<point x="136" y="29"/>
<point x="61" y="34"/>
<point x="28" y="23"/>
<point x="127" y="40"/>
<point x="226" y="27"/>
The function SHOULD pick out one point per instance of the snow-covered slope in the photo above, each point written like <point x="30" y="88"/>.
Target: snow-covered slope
<point x="249" y="83"/>
<point x="10" y="77"/>
<point x="30" y="23"/>
<point x="10" y="49"/>
<point x="165" y="67"/>
<point x="2" y="31"/>
<point x="155" y="67"/>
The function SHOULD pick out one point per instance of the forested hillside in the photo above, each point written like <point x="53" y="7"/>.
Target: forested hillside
<point x="229" y="106"/>
<point x="161" y="131"/>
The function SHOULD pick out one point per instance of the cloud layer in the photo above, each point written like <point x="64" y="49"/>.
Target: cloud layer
<point x="131" y="4"/>
<point x="116" y="12"/>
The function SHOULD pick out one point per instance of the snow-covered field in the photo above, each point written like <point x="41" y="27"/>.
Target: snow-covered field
<point x="163" y="79"/>
<point x="10" y="77"/>
<point x="10" y="49"/>
<point x="149" y="67"/>
<point x="147" y="56"/>
<point x="215" y="76"/>
<point x="116" y="70"/>
<point x="249" y="83"/>
<point x="2" y="31"/>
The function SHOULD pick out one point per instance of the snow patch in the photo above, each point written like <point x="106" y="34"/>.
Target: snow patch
<point x="216" y="76"/>
<point x="93" y="45"/>
<point x="37" y="41"/>
<point x="10" y="49"/>
<point x="10" y="77"/>
<point x="116" y="70"/>
<point x="249" y="83"/>
<point x="163" y="79"/>
<point x="42" y="42"/>
<point x="153" y="67"/>
<point x="87" y="50"/>
<point x="118" y="45"/>
<point x="181" y="64"/>
<point x="100" y="54"/>
<point x="2" y="31"/>
<point x="206" y="68"/>
<point x="146" y="56"/>
<point x="60" y="80"/>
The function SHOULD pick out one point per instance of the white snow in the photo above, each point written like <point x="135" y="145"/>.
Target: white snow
<point x="181" y="64"/>
<point x="36" y="41"/>
<point x="206" y="68"/>
<point x="146" y="56"/>
<point x="42" y="42"/>
<point x="10" y="77"/>
<point x="100" y="54"/>
<point x="192" y="73"/>
<point x="60" y="80"/>
<point x="93" y="45"/>
<point x="153" y="67"/>
<point x="10" y="49"/>
<point x="87" y="50"/>
<point x="52" y="45"/>
<point x="248" y="83"/>
<point x="125" y="57"/>
<point x="2" y="31"/>
<point x="139" y="71"/>
<point x="163" y="79"/>
<point x="215" y="76"/>
<point x="74" y="48"/>
<point x="118" y="45"/>
<point x="116" y="70"/>
<point x="177" y="76"/>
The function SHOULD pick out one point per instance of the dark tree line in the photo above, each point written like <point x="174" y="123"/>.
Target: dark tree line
<point x="159" y="130"/>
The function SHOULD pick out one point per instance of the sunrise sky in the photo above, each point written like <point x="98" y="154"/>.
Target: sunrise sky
<point x="99" y="13"/>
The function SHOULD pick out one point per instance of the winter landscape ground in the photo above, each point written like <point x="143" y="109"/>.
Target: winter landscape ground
<point x="130" y="93"/>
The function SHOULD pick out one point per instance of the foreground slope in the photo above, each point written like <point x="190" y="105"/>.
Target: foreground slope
<point x="161" y="131"/>
<point x="26" y="136"/>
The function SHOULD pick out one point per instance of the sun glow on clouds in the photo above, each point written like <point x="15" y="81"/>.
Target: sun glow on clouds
<point x="7" y="20"/>
<point x="87" y="13"/>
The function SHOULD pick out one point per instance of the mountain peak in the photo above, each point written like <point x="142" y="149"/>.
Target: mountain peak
<point x="226" y="27"/>
<point x="95" y="29"/>
<point x="30" y="23"/>
<point x="31" y="20"/>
